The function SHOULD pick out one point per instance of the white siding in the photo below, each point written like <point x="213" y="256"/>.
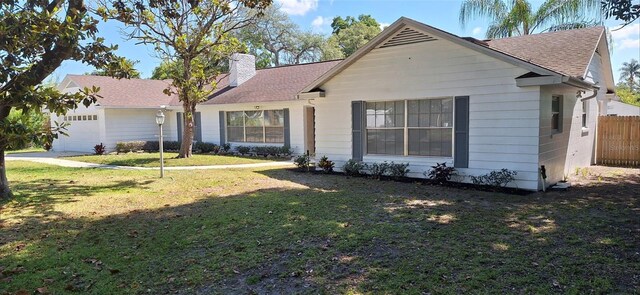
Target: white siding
<point x="83" y="135"/>
<point x="135" y="124"/>
<point x="211" y="121"/>
<point x="561" y="153"/>
<point x="503" y="117"/>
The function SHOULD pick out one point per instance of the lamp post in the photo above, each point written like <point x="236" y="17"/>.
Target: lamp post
<point x="160" y="121"/>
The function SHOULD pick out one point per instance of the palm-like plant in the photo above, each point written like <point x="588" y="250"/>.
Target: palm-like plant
<point x="517" y="17"/>
<point x="629" y="72"/>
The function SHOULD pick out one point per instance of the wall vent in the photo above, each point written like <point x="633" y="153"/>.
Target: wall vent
<point x="407" y="36"/>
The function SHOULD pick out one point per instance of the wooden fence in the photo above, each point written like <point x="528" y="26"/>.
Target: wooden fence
<point x="618" y="141"/>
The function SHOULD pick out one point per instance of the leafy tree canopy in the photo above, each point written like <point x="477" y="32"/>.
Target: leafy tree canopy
<point x="624" y="10"/>
<point x="349" y="34"/>
<point x="119" y="64"/>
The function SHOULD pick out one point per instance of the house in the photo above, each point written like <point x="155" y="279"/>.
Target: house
<point x="619" y="108"/>
<point x="421" y="95"/>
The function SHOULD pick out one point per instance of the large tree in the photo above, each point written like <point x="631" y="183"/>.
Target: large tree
<point x="36" y="36"/>
<point x="191" y="32"/>
<point x="118" y="65"/>
<point x="276" y="40"/>
<point x="517" y="17"/>
<point x="629" y="72"/>
<point x="624" y="10"/>
<point x="348" y="35"/>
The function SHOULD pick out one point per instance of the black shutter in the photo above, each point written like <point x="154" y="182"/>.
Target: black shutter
<point x="357" y="130"/>
<point x="179" y="120"/>
<point x="461" y="127"/>
<point x="287" y="129"/>
<point x="223" y="138"/>
<point x="198" y="130"/>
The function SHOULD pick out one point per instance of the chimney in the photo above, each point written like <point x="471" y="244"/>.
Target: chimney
<point x="242" y="67"/>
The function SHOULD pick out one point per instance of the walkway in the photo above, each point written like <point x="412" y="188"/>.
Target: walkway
<point x="52" y="158"/>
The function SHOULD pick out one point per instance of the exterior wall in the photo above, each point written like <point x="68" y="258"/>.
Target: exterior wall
<point x="503" y="117"/>
<point x="83" y="135"/>
<point x="211" y="121"/>
<point x="595" y="74"/>
<point x="561" y="153"/>
<point x="135" y="124"/>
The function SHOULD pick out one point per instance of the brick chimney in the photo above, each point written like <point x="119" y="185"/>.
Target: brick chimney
<point x="242" y="67"/>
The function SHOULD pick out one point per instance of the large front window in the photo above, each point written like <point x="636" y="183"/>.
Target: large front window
<point x="256" y="126"/>
<point x="422" y="127"/>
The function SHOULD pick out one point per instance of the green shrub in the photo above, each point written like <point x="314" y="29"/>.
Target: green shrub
<point x="441" y="173"/>
<point x="171" y="145"/>
<point x="147" y="146"/>
<point x="243" y="150"/>
<point x="303" y="162"/>
<point x="130" y="146"/>
<point x="205" y="147"/>
<point x="226" y="147"/>
<point x="399" y="170"/>
<point x="353" y="168"/>
<point x="325" y="164"/>
<point x="495" y="178"/>
<point x="377" y="170"/>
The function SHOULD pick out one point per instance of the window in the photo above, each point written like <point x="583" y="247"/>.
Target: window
<point x="95" y="117"/>
<point x="256" y="126"/>
<point x="556" y="113"/>
<point x="410" y="127"/>
<point x="584" y="114"/>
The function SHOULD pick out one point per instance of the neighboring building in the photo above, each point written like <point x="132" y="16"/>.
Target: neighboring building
<point x="413" y="94"/>
<point x="618" y="108"/>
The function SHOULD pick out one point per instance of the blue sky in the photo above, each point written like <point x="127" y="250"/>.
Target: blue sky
<point x="316" y="15"/>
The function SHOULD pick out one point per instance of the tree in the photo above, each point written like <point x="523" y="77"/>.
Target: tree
<point x="37" y="36"/>
<point x="276" y="40"/>
<point x="629" y="72"/>
<point x="517" y="17"/>
<point x="191" y="32"/>
<point x="119" y="65"/>
<point x="623" y="10"/>
<point x="349" y="34"/>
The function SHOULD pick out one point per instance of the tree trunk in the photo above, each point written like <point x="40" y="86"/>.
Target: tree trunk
<point x="5" y="190"/>
<point x="187" y="134"/>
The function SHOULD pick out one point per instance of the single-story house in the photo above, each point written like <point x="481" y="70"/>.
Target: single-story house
<point x="619" y="108"/>
<point x="414" y="94"/>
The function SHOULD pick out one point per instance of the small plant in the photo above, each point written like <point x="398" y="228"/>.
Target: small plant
<point x="302" y="162"/>
<point x="243" y="150"/>
<point x="399" y="170"/>
<point x="226" y="147"/>
<point x="377" y="170"/>
<point x="326" y="164"/>
<point x="99" y="149"/>
<point x="441" y="173"/>
<point x="495" y="178"/>
<point x="353" y="168"/>
<point x="285" y="151"/>
<point x="205" y="147"/>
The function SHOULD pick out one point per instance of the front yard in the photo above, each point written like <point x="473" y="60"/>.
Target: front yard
<point x="170" y="160"/>
<point x="279" y="232"/>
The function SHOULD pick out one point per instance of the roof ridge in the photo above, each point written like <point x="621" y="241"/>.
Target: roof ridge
<point x="545" y="33"/>
<point x="304" y="64"/>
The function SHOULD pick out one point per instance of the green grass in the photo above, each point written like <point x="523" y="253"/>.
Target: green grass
<point x="170" y="160"/>
<point x="27" y="150"/>
<point x="235" y="231"/>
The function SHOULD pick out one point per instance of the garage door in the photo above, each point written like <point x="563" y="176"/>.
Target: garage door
<point x="83" y="133"/>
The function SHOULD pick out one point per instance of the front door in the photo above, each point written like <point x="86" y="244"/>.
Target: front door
<point x="310" y="130"/>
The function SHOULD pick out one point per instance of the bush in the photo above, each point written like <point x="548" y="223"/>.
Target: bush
<point x="399" y="170"/>
<point x="243" y="150"/>
<point x="495" y="178"/>
<point x="285" y="151"/>
<point x="130" y="146"/>
<point x="99" y="149"/>
<point x="170" y="145"/>
<point x="206" y="147"/>
<point x="302" y="162"/>
<point x="326" y="164"/>
<point x="353" y="168"/>
<point x="441" y="173"/>
<point x="377" y="170"/>
<point x="226" y="147"/>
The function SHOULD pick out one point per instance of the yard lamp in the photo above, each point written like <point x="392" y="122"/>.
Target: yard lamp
<point x="160" y="121"/>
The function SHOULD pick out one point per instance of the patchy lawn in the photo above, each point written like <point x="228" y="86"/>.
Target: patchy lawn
<point x="153" y="160"/>
<point x="27" y="150"/>
<point x="278" y="231"/>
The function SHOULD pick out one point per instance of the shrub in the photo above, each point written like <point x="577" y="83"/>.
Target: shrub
<point x="441" y="173"/>
<point x="285" y="151"/>
<point x="243" y="150"/>
<point x="171" y="145"/>
<point x="326" y="164"/>
<point x="302" y="161"/>
<point x="99" y="149"/>
<point x="399" y="170"/>
<point x="353" y="168"/>
<point x="152" y="146"/>
<point x="495" y="178"/>
<point x="205" y="147"/>
<point x="130" y="146"/>
<point x="226" y="147"/>
<point x="377" y="170"/>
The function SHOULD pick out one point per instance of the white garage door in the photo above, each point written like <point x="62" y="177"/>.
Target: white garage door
<point x="83" y="134"/>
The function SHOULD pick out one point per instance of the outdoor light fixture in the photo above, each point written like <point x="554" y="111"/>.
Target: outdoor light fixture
<point x="160" y="121"/>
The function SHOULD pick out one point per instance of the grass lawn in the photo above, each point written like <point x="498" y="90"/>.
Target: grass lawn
<point x="27" y="150"/>
<point x="280" y="232"/>
<point x="153" y="160"/>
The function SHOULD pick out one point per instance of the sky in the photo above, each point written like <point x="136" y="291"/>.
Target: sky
<point x="316" y="16"/>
